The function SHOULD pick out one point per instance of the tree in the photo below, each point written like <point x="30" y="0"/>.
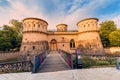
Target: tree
<point x="106" y="28"/>
<point x="16" y="25"/>
<point x="114" y="38"/>
<point x="5" y="39"/>
<point x="11" y="36"/>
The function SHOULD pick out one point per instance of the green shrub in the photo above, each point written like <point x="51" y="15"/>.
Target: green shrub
<point x="87" y="62"/>
<point x="111" y="61"/>
<point x="102" y="62"/>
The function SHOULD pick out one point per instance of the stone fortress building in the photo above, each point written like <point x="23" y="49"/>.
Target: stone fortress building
<point x="36" y="37"/>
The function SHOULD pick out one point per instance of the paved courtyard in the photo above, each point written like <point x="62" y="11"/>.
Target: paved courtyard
<point x="81" y="74"/>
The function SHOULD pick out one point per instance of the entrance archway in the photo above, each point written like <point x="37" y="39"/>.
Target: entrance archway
<point x="53" y="45"/>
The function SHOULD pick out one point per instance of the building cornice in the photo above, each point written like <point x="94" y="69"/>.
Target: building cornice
<point x="31" y="18"/>
<point x="62" y="24"/>
<point x="86" y="20"/>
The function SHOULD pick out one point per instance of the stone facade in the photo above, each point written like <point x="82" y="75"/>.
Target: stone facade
<point x="36" y="37"/>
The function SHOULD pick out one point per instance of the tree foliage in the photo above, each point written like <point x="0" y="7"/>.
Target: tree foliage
<point x="106" y="28"/>
<point x="16" y="25"/>
<point x="10" y="36"/>
<point x="114" y="38"/>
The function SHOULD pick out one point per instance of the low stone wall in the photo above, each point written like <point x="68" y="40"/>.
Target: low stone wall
<point x="8" y="55"/>
<point x="15" y="66"/>
<point x="112" y="50"/>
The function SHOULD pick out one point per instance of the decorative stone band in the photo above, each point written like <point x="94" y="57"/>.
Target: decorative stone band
<point x="34" y="32"/>
<point x="59" y="33"/>
<point x="21" y="66"/>
<point x="37" y="42"/>
<point x="88" y="31"/>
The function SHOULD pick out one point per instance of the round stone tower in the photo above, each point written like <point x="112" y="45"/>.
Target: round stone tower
<point x="34" y="35"/>
<point x="88" y="37"/>
<point x="61" y="27"/>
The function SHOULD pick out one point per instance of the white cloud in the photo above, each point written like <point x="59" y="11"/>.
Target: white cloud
<point x="81" y="13"/>
<point x="72" y="16"/>
<point x="19" y="10"/>
<point x="75" y="5"/>
<point x="117" y="20"/>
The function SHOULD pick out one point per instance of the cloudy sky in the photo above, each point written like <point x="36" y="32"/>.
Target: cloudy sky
<point x="60" y="11"/>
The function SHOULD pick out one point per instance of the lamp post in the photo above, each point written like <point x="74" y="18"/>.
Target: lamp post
<point x="117" y="63"/>
<point x="78" y="59"/>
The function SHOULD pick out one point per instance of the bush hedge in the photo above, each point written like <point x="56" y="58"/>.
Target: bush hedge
<point x="88" y="62"/>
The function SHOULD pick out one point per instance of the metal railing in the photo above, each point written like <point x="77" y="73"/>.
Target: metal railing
<point x="67" y="57"/>
<point x="38" y="59"/>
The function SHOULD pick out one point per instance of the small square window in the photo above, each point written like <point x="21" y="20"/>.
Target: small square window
<point x="84" y="25"/>
<point x="34" y="25"/>
<point x="38" y="25"/>
<point x="33" y="47"/>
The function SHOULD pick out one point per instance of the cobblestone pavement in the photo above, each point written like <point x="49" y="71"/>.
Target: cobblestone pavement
<point x="81" y="74"/>
<point x="53" y="63"/>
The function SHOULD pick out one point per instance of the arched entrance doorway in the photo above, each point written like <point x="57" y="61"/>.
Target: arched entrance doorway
<point x="53" y="45"/>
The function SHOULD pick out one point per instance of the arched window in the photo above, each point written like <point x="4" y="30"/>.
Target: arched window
<point x="34" y="25"/>
<point x="72" y="43"/>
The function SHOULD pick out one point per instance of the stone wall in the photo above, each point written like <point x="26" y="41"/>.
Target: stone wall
<point x="112" y="50"/>
<point x="8" y="55"/>
<point x="15" y="66"/>
<point x="63" y="41"/>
